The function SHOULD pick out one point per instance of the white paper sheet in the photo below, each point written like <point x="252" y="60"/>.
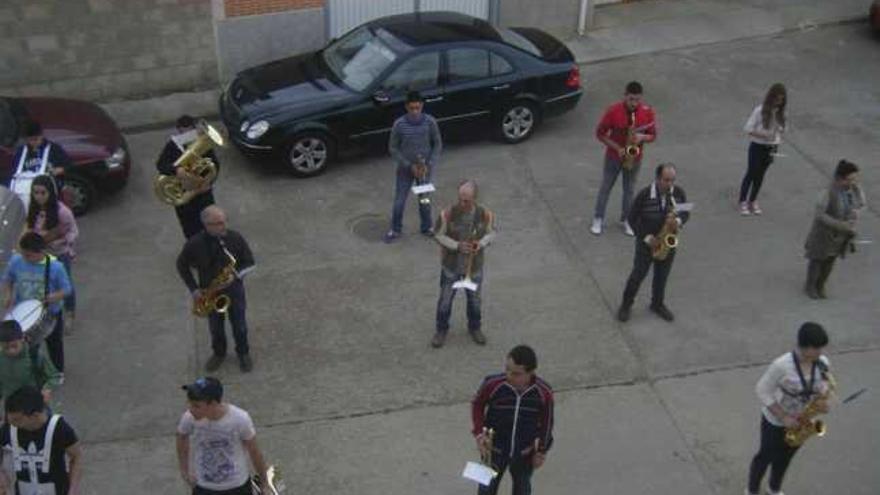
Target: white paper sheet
<point x="684" y="207"/>
<point x="467" y="284"/>
<point x="475" y="471"/>
<point x="423" y="188"/>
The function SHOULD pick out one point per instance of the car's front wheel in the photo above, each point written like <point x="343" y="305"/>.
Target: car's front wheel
<point x="518" y="122"/>
<point x="309" y="153"/>
<point x="79" y="193"/>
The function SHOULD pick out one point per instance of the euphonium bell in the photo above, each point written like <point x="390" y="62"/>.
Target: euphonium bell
<point x="199" y="169"/>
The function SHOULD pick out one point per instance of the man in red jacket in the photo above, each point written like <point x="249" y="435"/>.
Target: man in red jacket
<point x="627" y="122"/>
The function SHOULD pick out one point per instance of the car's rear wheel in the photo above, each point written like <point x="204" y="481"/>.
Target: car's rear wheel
<point x="518" y="122"/>
<point x="309" y="153"/>
<point x="79" y="193"/>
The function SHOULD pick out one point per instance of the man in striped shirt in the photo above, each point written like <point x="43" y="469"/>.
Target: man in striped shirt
<point x="518" y="406"/>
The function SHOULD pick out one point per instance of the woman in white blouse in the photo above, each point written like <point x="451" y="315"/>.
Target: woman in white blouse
<point x="791" y="381"/>
<point x="764" y="127"/>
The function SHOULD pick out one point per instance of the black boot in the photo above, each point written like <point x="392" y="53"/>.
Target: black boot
<point x="813" y="270"/>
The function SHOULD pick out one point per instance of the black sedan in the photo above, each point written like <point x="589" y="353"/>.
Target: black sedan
<point x="472" y="75"/>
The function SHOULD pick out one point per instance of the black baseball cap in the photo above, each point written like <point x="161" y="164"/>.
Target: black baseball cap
<point x="10" y="331"/>
<point x="204" y="389"/>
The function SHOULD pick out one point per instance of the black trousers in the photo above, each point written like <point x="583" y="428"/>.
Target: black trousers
<point x="54" y="344"/>
<point x="242" y="490"/>
<point x="760" y="158"/>
<point x="775" y="453"/>
<point x="642" y="262"/>
<point x="520" y="470"/>
<point x="236" y="313"/>
<point x="190" y="214"/>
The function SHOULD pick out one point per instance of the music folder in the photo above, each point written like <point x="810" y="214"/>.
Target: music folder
<point x="423" y="188"/>
<point x="466" y="283"/>
<point x="480" y="473"/>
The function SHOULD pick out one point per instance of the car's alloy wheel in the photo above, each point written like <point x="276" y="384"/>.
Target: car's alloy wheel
<point x="309" y="154"/>
<point x="517" y="124"/>
<point x="78" y="194"/>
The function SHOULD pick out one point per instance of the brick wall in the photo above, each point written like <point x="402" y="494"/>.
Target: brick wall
<point x="106" y="49"/>
<point x="235" y="8"/>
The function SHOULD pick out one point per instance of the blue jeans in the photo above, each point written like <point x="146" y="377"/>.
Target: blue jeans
<point x="447" y="294"/>
<point x="609" y="177"/>
<point x="69" y="301"/>
<point x="236" y="312"/>
<point x="402" y="187"/>
<point x="520" y="470"/>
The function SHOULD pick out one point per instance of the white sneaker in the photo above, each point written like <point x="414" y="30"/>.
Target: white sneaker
<point x="744" y="209"/>
<point x="627" y="229"/>
<point x="596" y="228"/>
<point x="775" y="493"/>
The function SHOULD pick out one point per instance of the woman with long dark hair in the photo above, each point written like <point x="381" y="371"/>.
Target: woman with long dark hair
<point x="764" y="127"/>
<point x="54" y="221"/>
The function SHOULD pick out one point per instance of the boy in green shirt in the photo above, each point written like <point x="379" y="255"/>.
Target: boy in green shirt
<point x="18" y="368"/>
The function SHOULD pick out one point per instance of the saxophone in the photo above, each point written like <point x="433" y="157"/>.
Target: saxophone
<point x="212" y="299"/>
<point x="274" y="483"/>
<point x="631" y="150"/>
<point x="668" y="239"/>
<point x="808" y="425"/>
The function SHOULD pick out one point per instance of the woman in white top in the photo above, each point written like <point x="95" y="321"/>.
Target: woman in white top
<point x="764" y="127"/>
<point x="789" y="384"/>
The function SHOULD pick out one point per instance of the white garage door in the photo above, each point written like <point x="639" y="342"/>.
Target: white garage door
<point x="343" y="15"/>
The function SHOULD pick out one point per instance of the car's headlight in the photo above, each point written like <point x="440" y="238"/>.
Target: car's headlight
<point x="116" y="159"/>
<point x="257" y="129"/>
<point x="244" y="127"/>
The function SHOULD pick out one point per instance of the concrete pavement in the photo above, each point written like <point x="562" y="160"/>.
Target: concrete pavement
<point x="349" y="398"/>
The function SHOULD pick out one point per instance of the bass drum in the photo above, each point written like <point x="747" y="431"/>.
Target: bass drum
<point x="12" y="217"/>
<point x="35" y="321"/>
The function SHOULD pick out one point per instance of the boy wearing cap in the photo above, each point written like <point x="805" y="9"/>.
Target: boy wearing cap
<point x="28" y="276"/>
<point x="19" y="369"/>
<point x="45" y="451"/>
<point x="221" y="437"/>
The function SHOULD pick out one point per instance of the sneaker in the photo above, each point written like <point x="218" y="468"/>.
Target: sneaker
<point x="744" y="209"/>
<point x="756" y="210"/>
<point x="390" y="236"/>
<point x="624" y="312"/>
<point x="478" y="337"/>
<point x="61" y="378"/>
<point x="214" y="362"/>
<point x="428" y="233"/>
<point x="596" y="228"/>
<point x="774" y="493"/>
<point x="69" y="319"/>
<point x="627" y="229"/>
<point x="662" y="311"/>
<point x="245" y="364"/>
<point x="437" y="341"/>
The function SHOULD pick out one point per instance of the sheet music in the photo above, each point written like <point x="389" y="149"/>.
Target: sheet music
<point x="475" y="471"/>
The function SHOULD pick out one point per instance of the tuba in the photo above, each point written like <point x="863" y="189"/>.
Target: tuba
<point x="212" y="300"/>
<point x="808" y="425"/>
<point x="668" y="240"/>
<point x="200" y="170"/>
<point x="274" y="483"/>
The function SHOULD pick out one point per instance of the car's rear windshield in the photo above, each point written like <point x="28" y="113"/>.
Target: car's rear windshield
<point x="511" y="37"/>
<point x="359" y="57"/>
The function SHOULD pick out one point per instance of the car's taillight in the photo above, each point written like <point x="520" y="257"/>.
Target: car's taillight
<point x="574" y="78"/>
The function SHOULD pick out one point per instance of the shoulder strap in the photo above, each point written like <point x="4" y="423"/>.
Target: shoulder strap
<point x="47" y="442"/>
<point x="46" y="277"/>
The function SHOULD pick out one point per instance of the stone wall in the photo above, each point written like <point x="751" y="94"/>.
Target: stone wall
<point x="106" y="49"/>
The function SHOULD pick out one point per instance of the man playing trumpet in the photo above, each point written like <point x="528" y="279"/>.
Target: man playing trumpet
<point x="512" y="417"/>
<point x="653" y="213"/>
<point x="463" y="232"/>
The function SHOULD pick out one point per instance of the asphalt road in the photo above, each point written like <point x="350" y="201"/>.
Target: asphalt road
<point x="349" y="397"/>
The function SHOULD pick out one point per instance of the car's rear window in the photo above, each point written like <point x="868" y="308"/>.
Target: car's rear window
<point x="513" y="38"/>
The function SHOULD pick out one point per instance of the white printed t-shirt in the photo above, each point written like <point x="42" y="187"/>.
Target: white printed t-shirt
<point x="217" y="456"/>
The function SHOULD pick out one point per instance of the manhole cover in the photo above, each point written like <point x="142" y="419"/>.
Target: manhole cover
<point x="370" y="227"/>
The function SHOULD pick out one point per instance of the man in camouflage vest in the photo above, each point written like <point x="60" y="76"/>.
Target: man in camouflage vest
<point x="463" y="232"/>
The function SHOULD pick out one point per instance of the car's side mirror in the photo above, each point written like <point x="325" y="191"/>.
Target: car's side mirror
<point x="381" y="97"/>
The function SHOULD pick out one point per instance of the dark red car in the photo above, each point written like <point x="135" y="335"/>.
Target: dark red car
<point x="101" y="161"/>
<point x="874" y="16"/>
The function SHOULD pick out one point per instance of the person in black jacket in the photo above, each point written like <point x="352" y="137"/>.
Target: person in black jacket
<point x="653" y="207"/>
<point x="187" y="214"/>
<point x="208" y="252"/>
<point x="517" y="406"/>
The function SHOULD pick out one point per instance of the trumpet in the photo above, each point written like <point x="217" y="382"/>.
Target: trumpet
<point x="274" y="483"/>
<point x="199" y="170"/>
<point x="420" y="172"/>
<point x="488" y="440"/>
